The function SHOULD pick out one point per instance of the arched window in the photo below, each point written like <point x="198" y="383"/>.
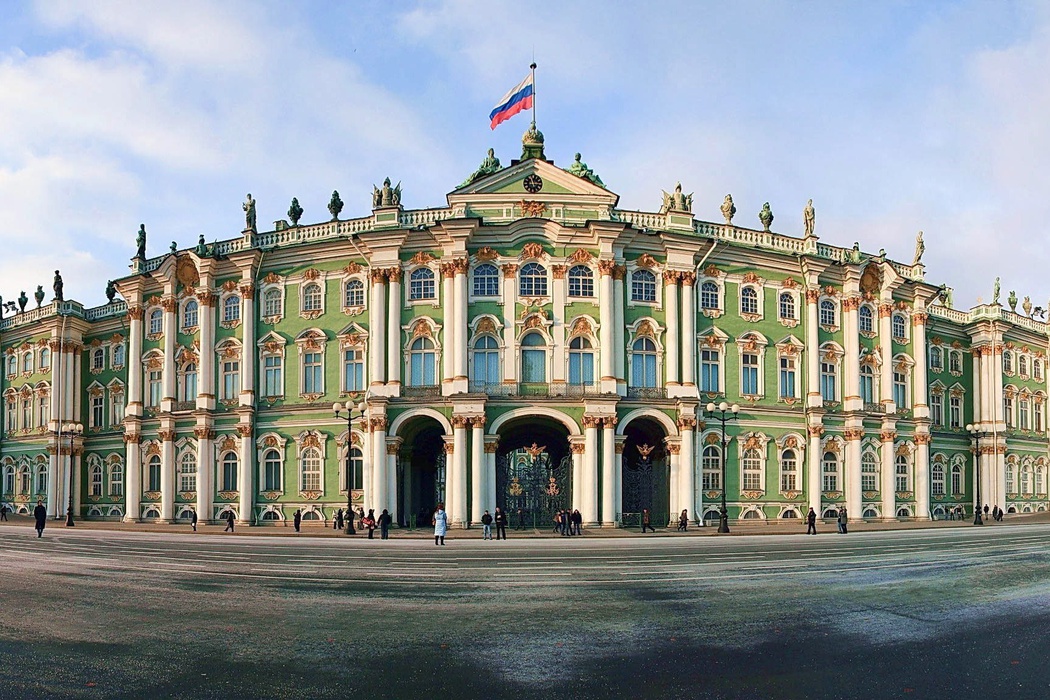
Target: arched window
<point x="189" y="315"/>
<point x="748" y="300"/>
<point x="12" y="365"/>
<point x="231" y="309"/>
<point x="118" y="355"/>
<point x="1022" y="365"/>
<point x="156" y="322"/>
<point x="643" y="363"/>
<point x="97" y="479"/>
<point x="533" y="359"/>
<point x="532" y="281"/>
<point x="867" y="384"/>
<point x="228" y="477"/>
<point x="830" y="466"/>
<point x="98" y="358"/>
<point x="116" y="479"/>
<point x="486" y="362"/>
<point x="354" y="293"/>
<point x="1037" y="367"/>
<point x="312" y="297"/>
<point x="355" y="478"/>
<point x="422" y="363"/>
<point x="787" y="307"/>
<point x="1011" y="478"/>
<point x="708" y="295"/>
<point x="903" y="481"/>
<point x="45" y="360"/>
<point x="421" y="284"/>
<point x="41" y="478"/>
<point x="1026" y="479"/>
<point x="643" y="286"/>
<point x="957" y="482"/>
<point x="937" y="480"/>
<point x="751" y="466"/>
<point x="1008" y="361"/>
<point x="827" y="313"/>
<point x="153" y="473"/>
<point x="936" y="358"/>
<point x="869" y="472"/>
<point x="311" y="469"/>
<point x="1040" y="482"/>
<point x="788" y="471"/>
<point x="188" y="390"/>
<point x="711" y="464"/>
<point x="898" y="327"/>
<point x="955" y="362"/>
<point x="581" y="281"/>
<point x="187" y="472"/>
<point x="25" y="479"/>
<point x="272" y="471"/>
<point x="581" y="362"/>
<point x="866" y="320"/>
<point x="486" y="280"/>
<point x="9" y="481"/>
<point x="272" y="299"/>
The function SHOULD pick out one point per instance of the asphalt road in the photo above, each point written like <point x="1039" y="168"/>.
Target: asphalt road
<point x="958" y="613"/>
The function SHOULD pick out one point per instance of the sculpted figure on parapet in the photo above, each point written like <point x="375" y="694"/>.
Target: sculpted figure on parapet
<point x="809" y="218"/>
<point x="249" y="214"/>
<point x="728" y="209"/>
<point x="386" y="197"/>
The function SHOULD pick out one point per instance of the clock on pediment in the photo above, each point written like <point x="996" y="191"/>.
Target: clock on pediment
<point x="533" y="183"/>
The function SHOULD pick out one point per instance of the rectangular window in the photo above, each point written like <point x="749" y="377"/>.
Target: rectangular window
<point x="900" y="389"/>
<point x="955" y="407"/>
<point x="231" y="380"/>
<point x="155" y="386"/>
<point x="581" y="368"/>
<point x="709" y="371"/>
<point x="116" y="410"/>
<point x="787" y="377"/>
<point x="827" y="382"/>
<point x="154" y="475"/>
<point x="97" y="411"/>
<point x="1022" y="415"/>
<point x="312" y="373"/>
<point x="353" y="370"/>
<point x="273" y="381"/>
<point x="1008" y="412"/>
<point x="1038" y="417"/>
<point x="43" y="411"/>
<point x="749" y="374"/>
<point x="937" y="409"/>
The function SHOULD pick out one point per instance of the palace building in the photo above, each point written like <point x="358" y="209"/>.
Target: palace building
<point x="530" y="346"/>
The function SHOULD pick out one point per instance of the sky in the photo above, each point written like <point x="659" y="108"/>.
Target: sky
<point x="894" y="117"/>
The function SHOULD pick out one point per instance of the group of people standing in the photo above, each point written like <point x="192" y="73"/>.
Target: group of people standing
<point x="997" y="513"/>
<point x="568" y="523"/>
<point x="499" y="520"/>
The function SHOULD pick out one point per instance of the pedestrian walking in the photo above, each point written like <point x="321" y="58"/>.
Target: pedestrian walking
<point x="647" y="521"/>
<point x="193" y="519"/>
<point x="229" y="521"/>
<point x="577" y="521"/>
<point x="3" y="512"/>
<point x="683" y="521"/>
<point x="350" y="521"/>
<point x="486" y="526"/>
<point x="384" y="524"/>
<point x="297" y="519"/>
<point x="360" y="515"/>
<point x="40" y="513"/>
<point x="369" y="523"/>
<point x="521" y="519"/>
<point x="811" y="522"/>
<point x="843" y="520"/>
<point x="986" y="510"/>
<point x="501" y="523"/>
<point x="557" y="521"/>
<point x="339" y="519"/>
<point x="440" y="522"/>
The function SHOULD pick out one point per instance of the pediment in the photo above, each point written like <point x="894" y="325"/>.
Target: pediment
<point x="508" y="186"/>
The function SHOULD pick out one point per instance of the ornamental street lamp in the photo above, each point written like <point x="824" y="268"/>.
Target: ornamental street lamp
<point x="74" y="430"/>
<point x="975" y="434"/>
<point x="337" y="409"/>
<point x="725" y="413"/>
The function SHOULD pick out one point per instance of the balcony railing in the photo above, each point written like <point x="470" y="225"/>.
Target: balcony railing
<point x="874" y="408"/>
<point x="646" y="392"/>
<point x="536" y="389"/>
<point x="420" y="391"/>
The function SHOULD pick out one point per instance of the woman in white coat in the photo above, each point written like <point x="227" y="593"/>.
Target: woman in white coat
<point x="440" y="524"/>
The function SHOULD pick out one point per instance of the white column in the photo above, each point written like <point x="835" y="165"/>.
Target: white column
<point x="814" y="456"/>
<point x="54" y="478"/>
<point x="687" y="466"/>
<point x="671" y="348"/>
<point x="477" y="468"/>
<point x="461" y="514"/>
<point x="170" y="305"/>
<point x="688" y="333"/>
<point x="132" y="474"/>
<point x="394" y="362"/>
<point x="134" y="400"/>
<point x="854" y="494"/>
<point x="576" y="448"/>
<point x="379" y="466"/>
<point x="205" y="470"/>
<point x="393" y="446"/>
<point x="619" y="299"/>
<point x="919" y="389"/>
<point x="678" y="468"/>
<point x="557" y="329"/>
<point x="813" y="398"/>
<point x="377" y="330"/>
<point x="368" y="459"/>
<point x="247" y="397"/>
<point x="245" y="485"/>
<point x="448" y="334"/>
<point x="851" y="399"/>
<point x="491" y="444"/>
<point x="888" y="486"/>
<point x="75" y="465"/>
<point x="607" y="337"/>
<point x="609" y="508"/>
<point x="922" y="476"/>
<point x="206" y="375"/>
<point x="886" y="350"/>
<point x="167" y="474"/>
<point x="589" y="478"/>
<point x="460" y="302"/>
<point x="510" y="331"/>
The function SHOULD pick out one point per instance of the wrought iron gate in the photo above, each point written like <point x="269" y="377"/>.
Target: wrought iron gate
<point x="645" y="487"/>
<point x="529" y="483"/>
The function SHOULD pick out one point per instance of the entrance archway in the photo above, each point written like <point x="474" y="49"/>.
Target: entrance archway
<point x="533" y="471"/>
<point x="420" y="470"/>
<point x="645" y="473"/>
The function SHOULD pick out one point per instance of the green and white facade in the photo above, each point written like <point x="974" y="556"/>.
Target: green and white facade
<point x="529" y="347"/>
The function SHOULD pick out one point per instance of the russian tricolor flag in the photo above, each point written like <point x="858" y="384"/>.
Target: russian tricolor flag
<point x="517" y="99"/>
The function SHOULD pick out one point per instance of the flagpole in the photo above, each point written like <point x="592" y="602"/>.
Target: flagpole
<point x="533" y="68"/>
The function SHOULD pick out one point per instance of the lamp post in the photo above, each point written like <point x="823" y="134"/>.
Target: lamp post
<point x="725" y="413"/>
<point x="73" y="430"/>
<point x="975" y="435"/>
<point x="337" y="409"/>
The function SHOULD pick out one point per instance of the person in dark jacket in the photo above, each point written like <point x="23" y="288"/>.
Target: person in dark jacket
<point x="501" y="523"/>
<point x="297" y="519"/>
<point x="683" y="521"/>
<point x="350" y="521"/>
<point x="193" y="519"/>
<point x="40" y="513"/>
<point x="577" y="522"/>
<point x="3" y="512"/>
<point x="647" y="521"/>
<point x="384" y="524"/>
<point x="811" y="522"/>
<point x="486" y="523"/>
<point x="369" y="523"/>
<point x="229" y="521"/>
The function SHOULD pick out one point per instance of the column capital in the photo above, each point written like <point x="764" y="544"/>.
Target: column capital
<point x="671" y="277"/>
<point x="377" y="424"/>
<point x="922" y="438"/>
<point x="509" y="270"/>
<point x="853" y="434"/>
<point x="460" y="421"/>
<point x="918" y="318"/>
<point x="888" y="435"/>
<point x="166" y="435"/>
<point x="605" y="267"/>
<point x="688" y="278"/>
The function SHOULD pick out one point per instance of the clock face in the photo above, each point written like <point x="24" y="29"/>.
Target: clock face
<point x="533" y="183"/>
